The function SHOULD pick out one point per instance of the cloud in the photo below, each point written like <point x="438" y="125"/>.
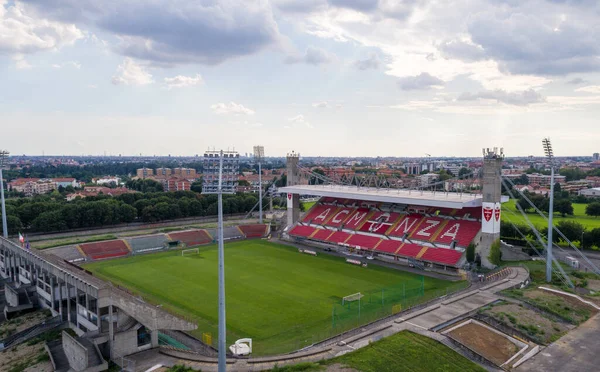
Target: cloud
<point x="299" y="120"/>
<point x="24" y="33"/>
<point x="577" y="81"/>
<point x="589" y="89"/>
<point x="174" y="31"/>
<point x="181" y="81"/>
<point x="20" y="62"/>
<point x="462" y="49"/>
<point x="322" y="104"/>
<point x="523" y="98"/>
<point x="421" y="81"/>
<point x="300" y="6"/>
<point x="358" y="5"/>
<point x="231" y="108"/>
<point x="371" y="63"/>
<point x="74" y="64"/>
<point x="313" y="56"/>
<point x="131" y="73"/>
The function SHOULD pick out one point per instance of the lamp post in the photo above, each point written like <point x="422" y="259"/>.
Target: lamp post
<point x="3" y="155"/>
<point x="259" y="154"/>
<point x="550" y="155"/>
<point x="220" y="177"/>
<point x="581" y="245"/>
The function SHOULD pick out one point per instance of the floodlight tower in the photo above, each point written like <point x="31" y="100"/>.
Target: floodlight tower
<point x="220" y="177"/>
<point x="3" y="155"/>
<point x="259" y="154"/>
<point x="550" y="155"/>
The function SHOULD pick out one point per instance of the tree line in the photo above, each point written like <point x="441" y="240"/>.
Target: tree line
<point x="45" y="213"/>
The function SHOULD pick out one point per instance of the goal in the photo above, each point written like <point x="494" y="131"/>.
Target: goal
<point x="351" y="298"/>
<point x="187" y="252"/>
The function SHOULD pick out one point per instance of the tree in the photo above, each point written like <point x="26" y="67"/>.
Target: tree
<point x="243" y="183"/>
<point x="314" y="180"/>
<point x="572" y="230"/>
<point x="593" y="209"/>
<point x="464" y="171"/>
<point x="495" y="256"/>
<point x="522" y="180"/>
<point x="471" y="253"/>
<point x="196" y="187"/>
<point x="564" y="207"/>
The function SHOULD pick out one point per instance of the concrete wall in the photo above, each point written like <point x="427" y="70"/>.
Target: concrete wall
<point x="12" y="298"/>
<point x="125" y="343"/>
<point x="76" y="353"/>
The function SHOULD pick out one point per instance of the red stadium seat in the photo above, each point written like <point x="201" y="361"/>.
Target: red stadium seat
<point x="339" y="216"/>
<point x="410" y="250"/>
<point x="322" y="234"/>
<point x="427" y="228"/>
<point x="380" y="222"/>
<point x="106" y="249"/>
<point x="192" y="237"/>
<point x="302" y="231"/>
<point x="388" y="246"/>
<point x="462" y="231"/>
<point x="442" y="256"/>
<point x="407" y="225"/>
<point x="254" y="231"/>
<point x="363" y="241"/>
<point x="338" y="237"/>
<point x="356" y="219"/>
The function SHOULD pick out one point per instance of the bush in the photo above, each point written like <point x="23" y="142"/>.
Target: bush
<point x="471" y="253"/>
<point x="495" y="256"/>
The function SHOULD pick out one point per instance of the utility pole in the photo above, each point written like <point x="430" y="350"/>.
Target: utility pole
<point x="220" y="177"/>
<point x="550" y="155"/>
<point x="3" y="155"/>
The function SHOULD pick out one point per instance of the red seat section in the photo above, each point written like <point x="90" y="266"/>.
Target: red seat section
<point x="363" y="241"/>
<point x="442" y="256"/>
<point x="356" y="219"/>
<point x="380" y="222"/>
<point x="107" y="249"/>
<point x="338" y="237"/>
<point x="410" y="250"/>
<point x="191" y="237"/>
<point x="322" y="234"/>
<point x="407" y="225"/>
<point x="339" y="216"/>
<point x="460" y="230"/>
<point x="320" y="214"/>
<point x="388" y="246"/>
<point x="254" y="231"/>
<point x="302" y="231"/>
<point x="427" y="228"/>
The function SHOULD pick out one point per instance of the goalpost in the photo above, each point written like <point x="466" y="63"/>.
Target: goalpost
<point x="352" y="298"/>
<point x="190" y="251"/>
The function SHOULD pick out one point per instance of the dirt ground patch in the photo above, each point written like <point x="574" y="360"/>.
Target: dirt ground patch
<point x="22" y="322"/>
<point x="528" y="321"/>
<point x="25" y="358"/>
<point x="594" y="285"/>
<point x="340" y="368"/>
<point x="491" y="345"/>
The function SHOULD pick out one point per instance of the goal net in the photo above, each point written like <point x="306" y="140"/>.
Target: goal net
<point x="351" y="298"/>
<point x="187" y="252"/>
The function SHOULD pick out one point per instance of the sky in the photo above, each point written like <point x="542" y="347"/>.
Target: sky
<point x="319" y="77"/>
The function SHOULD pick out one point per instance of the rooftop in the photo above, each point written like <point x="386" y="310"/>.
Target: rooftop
<point x="400" y="196"/>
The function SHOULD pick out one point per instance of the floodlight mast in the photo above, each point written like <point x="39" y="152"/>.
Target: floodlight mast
<point x="259" y="153"/>
<point x="3" y="155"/>
<point x="212" y="186"/>
<point x="550" y="155"/>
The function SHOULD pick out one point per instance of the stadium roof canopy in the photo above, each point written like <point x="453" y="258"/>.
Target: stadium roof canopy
<point x="439" y="199"/>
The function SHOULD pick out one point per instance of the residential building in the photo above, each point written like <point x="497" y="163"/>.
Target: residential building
<point x="593" y="181"/>
<point x="144" y="172"/>
<point x="64" y="182"/>
<point x="596" y="156"/>
<point x="164" y="172"/>
<point x="188" y="173"/>
<point x="175" y="184"/>
<point x="591" y="193"/>
<point x="96" y="190"/>
<point x="538" y="179"/>
<point x="32" y="186"/>
<point x="107" y="180"/>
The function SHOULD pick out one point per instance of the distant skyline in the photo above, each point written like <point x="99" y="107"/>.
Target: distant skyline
<point x="371" y="78"/>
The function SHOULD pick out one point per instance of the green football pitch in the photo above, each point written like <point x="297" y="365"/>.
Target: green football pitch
<point x="513" y="215"/>
<point x="281" y="298"/>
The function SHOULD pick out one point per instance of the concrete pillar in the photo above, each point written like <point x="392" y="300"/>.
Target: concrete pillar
<point x="52" y="291"/>
<point x="154" y="338"/>
<point x="293" y="178"/>
<point x="68" y="302"/>
<point x="60" y="298"/>
<point x="491" y="210"/>
<point x="110" y="330"/>
<point x="98" y="321"/>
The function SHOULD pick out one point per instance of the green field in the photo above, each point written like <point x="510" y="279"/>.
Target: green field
<point x="578" y="216"/>
<point x="406" y="351"/>
<point x="283" y="299"/>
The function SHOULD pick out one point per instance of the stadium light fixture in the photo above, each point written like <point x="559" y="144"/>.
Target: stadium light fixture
<point x="550" y="155"/>
<point x="259" y="154"/>
<point x="3" y="156"/>
<point x="220" y="176"/>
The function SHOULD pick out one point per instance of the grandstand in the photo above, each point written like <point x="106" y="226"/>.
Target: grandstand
<point x="436" y="236"/>
<point x="147" y="243"/>
<point x="254" y="231"/>
<point x="105" y="249"/>
<point x="191" y="238"/>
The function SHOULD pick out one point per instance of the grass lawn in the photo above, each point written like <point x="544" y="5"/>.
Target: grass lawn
<point x="308" y="205"/>
<point x="277" y="296"/>
<point x="578" y="216"/>
<point x="406" y="351"/>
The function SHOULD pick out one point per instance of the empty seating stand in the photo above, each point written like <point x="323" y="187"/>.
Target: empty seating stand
<point x="147" y="243"/>
<point x="106" y="249"/>
<point x="254" y="231"/>
<point x="442" y="256"/>
<point x="192" y="238"/>
<point x="302" y="231"/>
